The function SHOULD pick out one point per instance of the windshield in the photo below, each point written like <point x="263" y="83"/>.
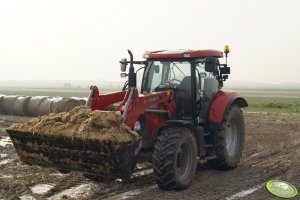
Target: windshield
<point x="165" y="74"/>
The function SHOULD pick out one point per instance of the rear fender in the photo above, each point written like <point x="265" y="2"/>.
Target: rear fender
<point x="221" y="104"/>
<point x="197" y="131"/>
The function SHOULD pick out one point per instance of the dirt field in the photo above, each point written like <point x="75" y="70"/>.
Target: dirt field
<point x="272" y="151"/>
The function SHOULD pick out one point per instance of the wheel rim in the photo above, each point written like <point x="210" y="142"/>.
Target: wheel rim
<point x="232" y="137"/>
<point x="183" y="161"/>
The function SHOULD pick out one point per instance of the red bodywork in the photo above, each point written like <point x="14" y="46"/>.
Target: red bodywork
<point x="183" y="54"/>
<point x="156" y="101"/>
<point x="156" y="107"/>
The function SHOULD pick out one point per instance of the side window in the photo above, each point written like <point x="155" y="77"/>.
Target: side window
<point x="208" y="81"/>
<point x="154" y="77"/>
<point x="209" y="85"/>
<point x="157" y="76"/>
<point x="139" y="78"/>
<point x="201" y="74"/>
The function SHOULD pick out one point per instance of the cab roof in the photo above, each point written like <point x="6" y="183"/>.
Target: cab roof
<point x="163" y="54"/>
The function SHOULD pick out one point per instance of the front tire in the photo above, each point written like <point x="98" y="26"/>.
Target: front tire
<point x="229" y="140"/>
<point x="175" y="158"/>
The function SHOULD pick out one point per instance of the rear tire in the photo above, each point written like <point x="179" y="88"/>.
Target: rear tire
<point x="175" y="158"/>
<point x="229" y="140"/>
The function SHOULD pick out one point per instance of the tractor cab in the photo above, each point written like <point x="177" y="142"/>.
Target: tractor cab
<point x="194" y="76"/>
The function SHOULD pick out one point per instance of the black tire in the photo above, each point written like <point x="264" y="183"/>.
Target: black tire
<point x="175" y="158"/>
<point x="229" y="140"/>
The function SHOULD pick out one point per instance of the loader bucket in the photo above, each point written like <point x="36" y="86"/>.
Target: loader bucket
<point x="90" y="147"/>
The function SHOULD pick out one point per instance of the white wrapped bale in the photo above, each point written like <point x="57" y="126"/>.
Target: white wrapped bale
<point x="66" y="104"/>
<point x="81" y="100"/>
<point x="1" y="99"/>
<point x="19" y="105"/>
<point x="54" y="103"/>
<point x="7" y="104"/>
<point x="44" y="107"/>
<point x="31" y="109"/>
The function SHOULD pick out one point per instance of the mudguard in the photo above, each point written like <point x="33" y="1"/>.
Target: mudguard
<point x="221" y="103"/>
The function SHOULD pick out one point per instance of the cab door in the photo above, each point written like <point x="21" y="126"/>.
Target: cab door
<point x="206" y="87"/>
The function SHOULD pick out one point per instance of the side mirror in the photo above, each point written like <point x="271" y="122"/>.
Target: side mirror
<point x="210" y="64"/>
<point x="123" y="75"/>
<point x="156" y="68"/>
<point x="225" y="70"/>
<point x="123" y="65"/>
<point x="225" y="77"/>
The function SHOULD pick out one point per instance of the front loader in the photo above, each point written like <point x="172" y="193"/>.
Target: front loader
<point x="180" y="115"/>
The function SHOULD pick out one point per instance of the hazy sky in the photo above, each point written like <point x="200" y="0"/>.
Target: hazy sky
<point x="84" y="40"/>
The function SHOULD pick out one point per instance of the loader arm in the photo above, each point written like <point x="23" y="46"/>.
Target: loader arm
<point x="100" y="102"/>
<point x="157" y="107"/>
<point x="161" y="104"/>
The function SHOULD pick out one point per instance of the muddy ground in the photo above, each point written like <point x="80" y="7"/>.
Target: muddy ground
<point x="272" y="151"/>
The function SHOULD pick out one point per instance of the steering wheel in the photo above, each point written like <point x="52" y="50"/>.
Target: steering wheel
<point x="173" y="80"/>
<point x="167" y="83"/>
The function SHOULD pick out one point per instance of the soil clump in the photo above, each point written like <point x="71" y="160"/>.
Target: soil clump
<point x="81" y="122"/>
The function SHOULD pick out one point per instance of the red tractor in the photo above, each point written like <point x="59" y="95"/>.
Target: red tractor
<point x="181" y="112"/>
<point x="181" y="115"/>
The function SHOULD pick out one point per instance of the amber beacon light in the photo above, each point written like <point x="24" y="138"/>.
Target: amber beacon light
<point x="226" y="49"/>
